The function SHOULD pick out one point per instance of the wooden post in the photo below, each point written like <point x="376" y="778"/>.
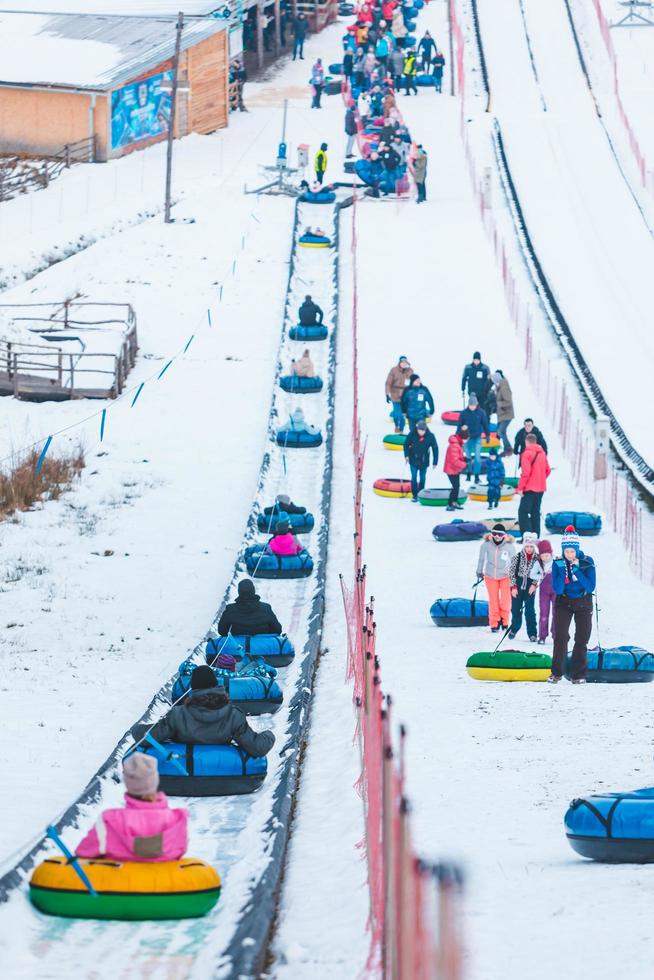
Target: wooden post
<point x="278" y="29"/>
<point x="259" y="33"/>
<point x="15" y="374"/>
<point x="171" y="125"/>
<point x="59" y="370"/>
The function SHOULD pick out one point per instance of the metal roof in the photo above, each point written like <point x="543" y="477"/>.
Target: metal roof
<point x="91" y="52"/>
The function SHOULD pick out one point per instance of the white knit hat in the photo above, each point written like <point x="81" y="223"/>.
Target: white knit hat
<point x="529" y="537"/>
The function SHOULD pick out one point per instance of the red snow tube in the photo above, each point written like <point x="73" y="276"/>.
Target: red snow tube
<point x="450" y="418"/>
<point x="391" y="487"/>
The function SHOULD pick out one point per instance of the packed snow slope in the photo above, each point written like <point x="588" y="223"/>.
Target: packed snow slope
<point x="595" y="245"/>
<point x="491" y="767"/>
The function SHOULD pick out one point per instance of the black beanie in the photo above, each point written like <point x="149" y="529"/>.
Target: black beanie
<point x="246" y="587"/>
<point x="499" y="527"/>
<point x="413" y="377"/>
<point x="203" y="678"/>
<point x="476" y="356"/>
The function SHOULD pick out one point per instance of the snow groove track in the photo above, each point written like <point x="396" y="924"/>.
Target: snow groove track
<point x="586" y="245"/>
<point x="244" y="837"/>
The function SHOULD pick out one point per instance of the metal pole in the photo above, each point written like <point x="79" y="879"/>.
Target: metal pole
<point x="171" y="125"/>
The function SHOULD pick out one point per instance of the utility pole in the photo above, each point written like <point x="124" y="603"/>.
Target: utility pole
<point x="171" y="125"/>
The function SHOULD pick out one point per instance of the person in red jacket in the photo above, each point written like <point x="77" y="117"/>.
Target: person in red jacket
<point x="535" y="470"/>
<point x="454" y="465"/>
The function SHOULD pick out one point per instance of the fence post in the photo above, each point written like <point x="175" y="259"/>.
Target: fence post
<point x="67" y="155"/>
<point x="16" y="375"/>
<point x="72" y="375"/>
<point x="59" y="368"/>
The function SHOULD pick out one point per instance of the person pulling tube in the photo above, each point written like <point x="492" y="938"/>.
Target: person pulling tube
<point x="573" y="582"/>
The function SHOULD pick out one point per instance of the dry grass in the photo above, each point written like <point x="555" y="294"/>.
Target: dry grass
<point x="21" y="486"/>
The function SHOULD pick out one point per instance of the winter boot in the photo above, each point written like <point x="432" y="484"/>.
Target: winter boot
<point x="553" y="679"/>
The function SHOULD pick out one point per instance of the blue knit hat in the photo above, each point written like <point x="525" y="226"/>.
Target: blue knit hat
<point x="570" y="539"/>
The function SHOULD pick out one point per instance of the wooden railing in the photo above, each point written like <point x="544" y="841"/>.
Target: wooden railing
<point x="319" y="13"/>
<point x="18" y="174"/>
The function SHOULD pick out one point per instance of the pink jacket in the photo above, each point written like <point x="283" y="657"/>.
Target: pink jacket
<point x="284" y="544"/>
<point x="142" y="831"/>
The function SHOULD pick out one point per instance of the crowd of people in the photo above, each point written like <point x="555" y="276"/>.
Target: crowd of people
<point x="513" y="577"/>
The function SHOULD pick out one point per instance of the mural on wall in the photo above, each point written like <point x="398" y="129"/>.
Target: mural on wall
<point x="140" y="110"/>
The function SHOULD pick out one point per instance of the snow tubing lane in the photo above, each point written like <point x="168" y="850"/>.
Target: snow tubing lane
<point x="480" y="492"/>
<point x="126" y="890"/>
<point x="262" y="564"/>
<point x="614" y="828"/>
<point x="275" y="650"/>
<point x="312" y="332"/>
<point x="509" y="665"/>
<point x="617" y="665"/>
<point x="459" y="612"/>
<point x="459" y="531"/>
<point x="254" y="694"/>
<point x="300" y="523"/>
<point x="395" y="441"/>
<point x="213" y="770"/>
<point x="438" y="497"/>
<point x="585" y="523"/>
<point x="300" y="386"/>
<point x="391" y="487"/>
<point x="298" y="439"/>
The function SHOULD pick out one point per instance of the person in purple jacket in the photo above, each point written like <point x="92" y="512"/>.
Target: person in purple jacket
<point x="546" y="593"/>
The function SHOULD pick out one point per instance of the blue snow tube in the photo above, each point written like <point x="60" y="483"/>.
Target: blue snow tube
<point x="300" y="523"/>
<point x="387" y="179"/>
<point x="300" y="386"/>
<point x="318" y="197"/>
<point x="460" y="531"/>
<point x="336" y="68"/>
<point x="410" y="42"/>
<point x="316" y="331"/>
<point x="618" y="665"/>
<point x="460" y="612"/>
<point x="585" y="523"/>
<point x="255" y="692"/>
<point x="261" y="563"/>
<point x="418" y="4"/>
<point x="213" y="770"/>
<point x="274" y="649"/>
<point x="425" y="80"/>
<point x="314" y="241"/>
<point x="484" y="466"/>
<point x="298" y="439"/>
<point x="615" y="828"/>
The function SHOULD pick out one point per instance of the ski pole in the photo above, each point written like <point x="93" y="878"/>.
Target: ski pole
<point x="72" y="860"/>
<point x="503" y="638"/>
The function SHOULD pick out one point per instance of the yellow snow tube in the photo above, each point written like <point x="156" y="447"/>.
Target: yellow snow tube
<point x="125" y="889"/>
<point x="506" y="674"/>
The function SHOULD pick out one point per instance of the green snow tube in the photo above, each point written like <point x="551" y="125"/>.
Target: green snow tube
<point x="438" y="497"/>
<point x="509" y="665"/>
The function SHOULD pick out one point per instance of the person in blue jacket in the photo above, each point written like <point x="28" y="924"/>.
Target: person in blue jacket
<point x="427" y="50"/>
<point x="495" y="475"/>
<point x="417" y="402"/>
<point x="573" y="582"/>
<point x="417" y="446"/>
<point x="474" y="418"/>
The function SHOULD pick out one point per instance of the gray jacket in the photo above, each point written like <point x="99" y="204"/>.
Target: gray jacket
<point x="420" y="168"/>
<point x="495" y="559"/>
<point x="207" y="718"/>
<point x="397" y="61"/>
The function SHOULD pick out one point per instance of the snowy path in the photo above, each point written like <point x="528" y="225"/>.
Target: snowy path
<point x="591" y="238"/>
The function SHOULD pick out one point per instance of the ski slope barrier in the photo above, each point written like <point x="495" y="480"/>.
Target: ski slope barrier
<point x="244" y="837"/>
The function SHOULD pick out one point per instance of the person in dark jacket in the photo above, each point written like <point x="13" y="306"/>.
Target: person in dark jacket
<point x="375" y="174"/>
<point x="439" y="65"/>
<point x="350" y="131"/>
<point x="528" y="428"/>
<point x="476" y="378"/>
<point x="310" y="313"/>
<point x="248" y="615"/>
<point x="573" y="582"/>
<point x="409" y="72"/>
<point x="417" y="402"/>
<point x="426" y="50"/>
<point x="417" y="447"/>
<point x="475" y="420"/>
<point x="284" y="502"/>
<point x="207" y="718"/>
<point x="495" y="476"/>
<point x="348" y="64"/>
<point x="300" y="28"/>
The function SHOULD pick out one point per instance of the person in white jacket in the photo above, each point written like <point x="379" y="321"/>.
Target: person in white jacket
<point x="363" y="105"/>
<point x="495" y="555"/>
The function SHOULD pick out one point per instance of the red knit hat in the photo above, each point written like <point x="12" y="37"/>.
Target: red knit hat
<point x="544" y="548"/>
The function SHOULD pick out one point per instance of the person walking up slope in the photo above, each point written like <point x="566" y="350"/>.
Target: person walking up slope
<point x="417" y="402"/>
<point x="573" y="581"/>
<point x="396" y="384"/>
<point x="535" y="470"/>
<point x="495" y="555"/>
<point x="495" y="475"/>
<point x="525" y="574"/>
<point x="417" y="447"/>
<point x="455" y="463"/>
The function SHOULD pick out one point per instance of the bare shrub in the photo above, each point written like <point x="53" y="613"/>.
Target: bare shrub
<point x="21" y="486"/>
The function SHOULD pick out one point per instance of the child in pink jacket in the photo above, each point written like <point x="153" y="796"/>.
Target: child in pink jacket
<point x="146" y="829"/>
<point x="283" y="542"/>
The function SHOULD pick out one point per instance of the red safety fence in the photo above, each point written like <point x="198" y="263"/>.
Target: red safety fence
<point x="414" y="905"/>
<point x="615" y="495"/>
<point x="646" y="176"/>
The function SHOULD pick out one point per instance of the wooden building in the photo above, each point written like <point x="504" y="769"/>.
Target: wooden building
<point x="68" y="77"/>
